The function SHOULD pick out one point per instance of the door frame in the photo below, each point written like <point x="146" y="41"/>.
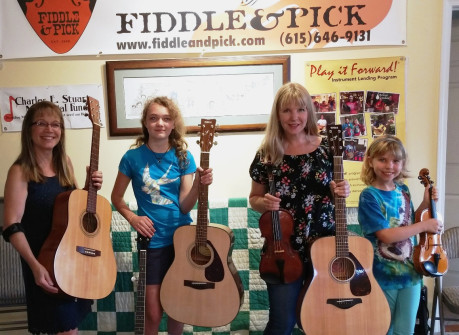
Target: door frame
<point x="448" y="7"/>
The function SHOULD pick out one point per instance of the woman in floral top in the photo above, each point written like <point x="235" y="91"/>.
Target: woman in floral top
<point x="302" y="170"/>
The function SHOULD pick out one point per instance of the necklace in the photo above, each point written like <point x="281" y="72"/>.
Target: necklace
<point x="161" y="156"/>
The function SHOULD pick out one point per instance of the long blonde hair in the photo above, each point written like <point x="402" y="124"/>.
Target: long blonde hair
<point x="271" y="148"/>
<point x="27" y="159"/>
<point x="177" y="135"/>
<point x="380" y="146"/>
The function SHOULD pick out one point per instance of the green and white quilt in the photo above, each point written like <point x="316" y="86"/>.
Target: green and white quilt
<point x="114" y="315"/>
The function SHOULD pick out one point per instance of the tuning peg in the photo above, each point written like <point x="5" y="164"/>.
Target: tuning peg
<point x="215" y="143"/>
<point x="197" y="141"/>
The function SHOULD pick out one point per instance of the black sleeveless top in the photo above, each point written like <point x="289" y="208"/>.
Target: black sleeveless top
<point x="46" y="313"/>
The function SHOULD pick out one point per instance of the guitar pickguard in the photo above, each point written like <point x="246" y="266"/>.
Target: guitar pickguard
<point x="214" y="272"/>
<point x="360" y="284"/>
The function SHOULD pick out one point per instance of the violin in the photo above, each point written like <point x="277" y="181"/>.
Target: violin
<point x="429" y="258"/>
<point x="279" y="263"/>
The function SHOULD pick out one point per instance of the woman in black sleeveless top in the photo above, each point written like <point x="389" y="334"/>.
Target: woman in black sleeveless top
<point x="39" y="174"/>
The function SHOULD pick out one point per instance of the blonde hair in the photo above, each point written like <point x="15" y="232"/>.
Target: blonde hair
<point x="27" y="160"/>
<point x="177" y="135"/>
<point x="271" y="148"/>
<point x="380" y="146"/>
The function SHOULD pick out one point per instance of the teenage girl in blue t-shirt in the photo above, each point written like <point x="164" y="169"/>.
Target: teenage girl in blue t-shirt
<point x="161" y="170"/>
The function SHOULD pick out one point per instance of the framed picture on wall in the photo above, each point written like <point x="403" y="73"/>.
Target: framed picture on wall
<point x="236" y="91"/>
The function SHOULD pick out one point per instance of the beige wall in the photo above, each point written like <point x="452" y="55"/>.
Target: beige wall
<point x="232" y="156"/>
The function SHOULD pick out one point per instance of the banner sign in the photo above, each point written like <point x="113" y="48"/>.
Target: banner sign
<point x="14" y="103"/>
<point x="44" y="28"/>
<point x="367" y="97"/>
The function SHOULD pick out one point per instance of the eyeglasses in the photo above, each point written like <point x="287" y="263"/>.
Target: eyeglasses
<point x="44" y="124"/>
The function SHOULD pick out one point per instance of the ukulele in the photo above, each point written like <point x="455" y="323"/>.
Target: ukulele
<point x="279" y="263"/>
<point x="139" y="325"/>
<point x="343" y="296"/>
<point x="429" y="258"/>
<point x="202" y="286"/>
<point x="78" y="253"/>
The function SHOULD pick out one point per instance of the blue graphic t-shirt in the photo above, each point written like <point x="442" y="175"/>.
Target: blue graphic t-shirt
<point x="393" y="263"/>
<point x="156" y="188"/>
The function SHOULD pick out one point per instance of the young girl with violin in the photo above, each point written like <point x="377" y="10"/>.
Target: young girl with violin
<point x="386" y="216"/>
<point x="302" y="167"/>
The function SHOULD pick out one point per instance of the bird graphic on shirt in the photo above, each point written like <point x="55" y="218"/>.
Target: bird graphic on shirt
<point x="152" y="186"/>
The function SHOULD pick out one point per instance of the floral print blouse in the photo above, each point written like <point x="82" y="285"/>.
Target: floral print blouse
<point x="303" y="182"/>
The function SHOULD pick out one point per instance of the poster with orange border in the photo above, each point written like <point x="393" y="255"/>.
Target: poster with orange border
<point x="365" y="96"/>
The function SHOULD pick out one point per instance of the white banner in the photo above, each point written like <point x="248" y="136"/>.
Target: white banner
<point x="44" y="28"/>
<point x="14" y="103"/>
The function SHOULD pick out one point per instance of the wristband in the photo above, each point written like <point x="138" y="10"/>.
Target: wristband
<point x="12" y="229"/>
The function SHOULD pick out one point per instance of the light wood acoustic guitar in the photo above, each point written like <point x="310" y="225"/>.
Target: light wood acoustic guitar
<point x="202" y="286"/>
<point x="78" y="252"/>
<point x="343" y="296"/>
<point x="139" y="324"/>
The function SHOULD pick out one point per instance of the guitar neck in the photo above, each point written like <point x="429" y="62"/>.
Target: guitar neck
<point x="93" y="109"/>
<point x="140" y="301"/>
<point x="342" y="245"/>
<point x="203" y="196"/>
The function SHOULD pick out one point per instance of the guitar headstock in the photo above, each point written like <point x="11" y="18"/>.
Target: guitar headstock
<point x="207" y="133"/>
<point x="93" y="110"/>
<point x="335" y="138"/>
<point x="143" y="241"/>
<point x="425" y="178"/>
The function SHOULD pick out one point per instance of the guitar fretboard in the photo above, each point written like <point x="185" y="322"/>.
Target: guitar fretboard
<point x="203" y="196"/>
<point x="139" y="324"/>
<point x="94" y="159"/>
<point x="342" y="245"/>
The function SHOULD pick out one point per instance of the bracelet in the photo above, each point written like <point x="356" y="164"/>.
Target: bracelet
<point x="12" y="229"/>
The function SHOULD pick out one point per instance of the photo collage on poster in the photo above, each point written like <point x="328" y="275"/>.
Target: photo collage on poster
<point x="353" y="106"/>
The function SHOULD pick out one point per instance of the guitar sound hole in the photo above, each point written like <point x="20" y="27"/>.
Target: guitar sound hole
<point x="201" y="255"/>
<point x="342" y="268"/>
<point x="89" y="223"/>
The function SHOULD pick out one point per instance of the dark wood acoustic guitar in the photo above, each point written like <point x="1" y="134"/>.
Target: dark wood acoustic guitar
<point x="202" y="287"/>
<point x="78" y="253"/>
<point x="343" y="296"/>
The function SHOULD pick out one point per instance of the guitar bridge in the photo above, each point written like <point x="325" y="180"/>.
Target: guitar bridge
<point x="344" y="303"/>
<point x="88" y="251"/>
<point x="199" y="285"/>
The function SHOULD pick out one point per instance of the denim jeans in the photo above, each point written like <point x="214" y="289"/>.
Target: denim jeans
<point x="282" y="307"/>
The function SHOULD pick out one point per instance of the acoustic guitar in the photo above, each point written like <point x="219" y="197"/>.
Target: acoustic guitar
<point x="202" y="286"/>
<point x="139" y="324"/>
<point x="343" y="296"/>
<point x="78" y="253"/>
